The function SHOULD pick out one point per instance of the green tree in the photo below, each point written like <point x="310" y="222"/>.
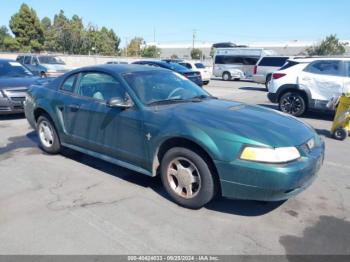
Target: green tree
<point x="11" y="44"/>
<point x="134" y="47"/>
<point x="3" y="34"/>
<point x="26" y="27"/>
<point x="196" y="53"/>
<point x="329" y="46"/>
<point x="150" y="51"/>
<point x="62" y="28"/>
<point x="50" y="36"/>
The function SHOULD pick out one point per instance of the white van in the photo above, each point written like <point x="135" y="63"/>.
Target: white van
<point x="237" y="63"/>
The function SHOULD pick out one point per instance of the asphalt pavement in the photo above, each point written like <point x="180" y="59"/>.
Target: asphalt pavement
<point x="75" y="204"/>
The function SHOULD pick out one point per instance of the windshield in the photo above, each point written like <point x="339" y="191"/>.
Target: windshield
<point x="13" y="69"/>
<point x="53" y="60"/>
<point x="163" y="86"/>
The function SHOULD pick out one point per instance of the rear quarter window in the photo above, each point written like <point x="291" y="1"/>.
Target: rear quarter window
<point x="68" y="84"/>
<point x="200" y="65"/>
<point x="289" y="64"/>
<point x="273" y="61"/>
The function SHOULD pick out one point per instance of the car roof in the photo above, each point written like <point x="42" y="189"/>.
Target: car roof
<point x="276" y="56"/>
<point x="118" y="68"/>
<point x="311" y="59"/>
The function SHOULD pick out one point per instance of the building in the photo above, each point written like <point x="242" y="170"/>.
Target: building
<point x="183" y="50"/>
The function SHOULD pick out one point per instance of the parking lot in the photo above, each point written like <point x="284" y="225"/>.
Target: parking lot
<point x="76" y="204"/>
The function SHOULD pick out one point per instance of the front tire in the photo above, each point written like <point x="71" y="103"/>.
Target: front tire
<point x="187" y="178"/>
<point x="48" y="138"/>
<point x="226" y="76"/>
<point x="292" y="103"/>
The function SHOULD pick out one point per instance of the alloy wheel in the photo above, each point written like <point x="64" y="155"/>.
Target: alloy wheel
<point x="46" y="134"/>
<point x="183" y="177"/>
<point x="292" y="104"/>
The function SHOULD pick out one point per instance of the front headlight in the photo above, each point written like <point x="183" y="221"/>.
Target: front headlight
<point x="270" y="155"/>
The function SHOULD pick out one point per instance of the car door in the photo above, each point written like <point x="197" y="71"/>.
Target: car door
<point x="92" y="124"/>
<point x="27" y="62"/>
<point x="346" y="86"/>
<point x="324" y="79"/>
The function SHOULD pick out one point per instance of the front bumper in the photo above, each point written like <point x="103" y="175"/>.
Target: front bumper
<point x="9" y="106"/>
<point x="269" y="182"/>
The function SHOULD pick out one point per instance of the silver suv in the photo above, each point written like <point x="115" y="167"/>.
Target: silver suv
<point x="266" y="66"/>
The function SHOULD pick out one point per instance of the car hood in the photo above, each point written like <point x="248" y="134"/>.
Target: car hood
<point x="241" y="122"/>
<point x="6" y="82"/>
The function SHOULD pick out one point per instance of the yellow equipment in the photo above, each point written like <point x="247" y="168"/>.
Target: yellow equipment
<point x="341" y="123"/>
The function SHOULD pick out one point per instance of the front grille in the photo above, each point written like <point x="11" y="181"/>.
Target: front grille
<point x="18" y="99"/>
<point x="16" y="90"/>
<point x="5" y="108"/>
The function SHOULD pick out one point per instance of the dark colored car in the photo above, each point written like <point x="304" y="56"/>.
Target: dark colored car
<point x="154" y="121"/>
<point x="194" y="76"/>
<point x="14" y="82"/>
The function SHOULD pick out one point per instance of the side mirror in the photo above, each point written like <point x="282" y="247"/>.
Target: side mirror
<point x="119" y="103"/>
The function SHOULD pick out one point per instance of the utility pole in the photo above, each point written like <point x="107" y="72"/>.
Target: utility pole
<point x="154" y="35"/>
<point x="126" y="47"/>
<point x="194" y="35"/>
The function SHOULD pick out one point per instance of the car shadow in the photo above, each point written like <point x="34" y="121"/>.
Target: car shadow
<point x="324" y="132"/>
<point x="249" y="208"/>
<point x="11" y="117"/>
<point x="220" y="204"/>
<point x="253" y="88"/>
<point x="328" y="116"/>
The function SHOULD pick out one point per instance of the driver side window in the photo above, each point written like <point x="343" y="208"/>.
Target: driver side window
<point x="100" y="86"/>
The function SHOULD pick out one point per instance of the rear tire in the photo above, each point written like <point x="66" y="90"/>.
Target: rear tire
<point x="226" y="76"/>
<point x="340" y="133"/>
<point x="292" y="103"/>
<point x="48" y="137"/>
<point x="187" y="178"/>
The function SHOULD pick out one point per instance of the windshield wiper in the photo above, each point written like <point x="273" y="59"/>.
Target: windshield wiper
<point x="201" y="97"/>
<point x="165" y="101"/>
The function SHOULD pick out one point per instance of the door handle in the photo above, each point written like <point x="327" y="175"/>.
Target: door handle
<point x="74" y="108"/>
<point x="306" y="78"/>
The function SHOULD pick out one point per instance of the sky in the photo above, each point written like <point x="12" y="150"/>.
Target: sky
<point x="174" y="21"/>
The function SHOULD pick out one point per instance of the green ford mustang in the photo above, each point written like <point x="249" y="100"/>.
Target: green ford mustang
<point x="155" y="121"/>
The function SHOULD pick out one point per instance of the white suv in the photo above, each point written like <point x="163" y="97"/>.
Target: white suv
<point x="200" y="67"/>
<point x="309" y="83"/>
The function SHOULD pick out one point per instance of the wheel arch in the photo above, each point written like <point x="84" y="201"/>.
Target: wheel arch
<point x="188" y="144"/>
<point x="40" y="111"/>
<point x="296" y="89"/>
